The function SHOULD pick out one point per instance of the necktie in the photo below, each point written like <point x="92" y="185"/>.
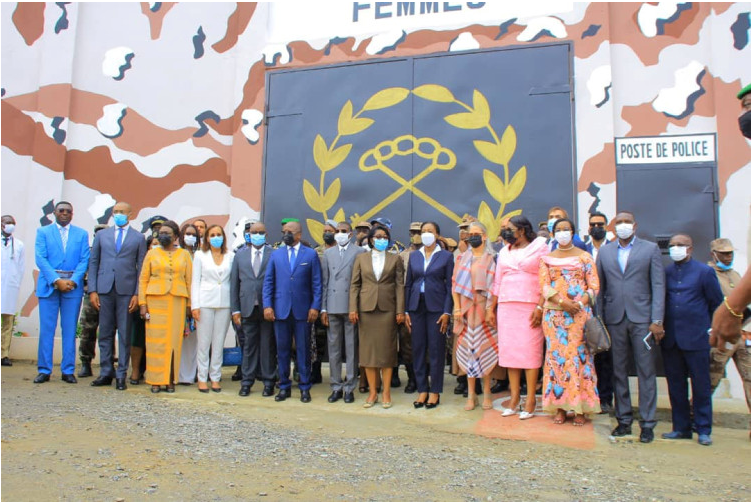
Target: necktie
<point x="342" y="252"/>
<point x="64" y="237"/>
<point x="256" y="264"/>
<point x="5" y="241"/>
<point x="119" y="240"/>
<point x="292" y="259"/>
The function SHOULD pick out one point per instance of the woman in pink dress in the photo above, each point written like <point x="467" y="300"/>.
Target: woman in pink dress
<point x="518" y="295"/>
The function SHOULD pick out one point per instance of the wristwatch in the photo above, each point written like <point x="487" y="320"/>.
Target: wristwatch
<point x="658" y="323"/>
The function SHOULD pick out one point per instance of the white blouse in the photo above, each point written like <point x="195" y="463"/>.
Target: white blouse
<point x="210" y="285"/>
<point x="377" y="262"/>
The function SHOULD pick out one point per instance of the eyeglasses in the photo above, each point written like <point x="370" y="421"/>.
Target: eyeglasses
<point x="63" y="210"/>
<point x="342" y="231"/>
<point x="595" y="224"/>
<point x="258" y="232"/>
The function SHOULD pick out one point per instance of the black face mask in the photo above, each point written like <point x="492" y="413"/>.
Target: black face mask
<point x="475" y="240"/>
<point x="509" y="236"/>
<point x="329" y="238"/>
<point x="164" y="240"/>
<point x="597" y="233"/>
<point x="744" y="123"/>
<point x="288" y="238"/>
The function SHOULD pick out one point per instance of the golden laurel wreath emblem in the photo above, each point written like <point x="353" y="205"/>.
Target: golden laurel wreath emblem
<point x="499" y="151"/>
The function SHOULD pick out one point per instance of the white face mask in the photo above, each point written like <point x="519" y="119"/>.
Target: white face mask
<point x="563" y="237"/>
<point x="9" y="228"/>
<point x="342" y="239"/>
<point x="624" y="230"/>
<point x="678" y="253"/>
<point x="190" y="240"/>
<point x="428" y="238"/>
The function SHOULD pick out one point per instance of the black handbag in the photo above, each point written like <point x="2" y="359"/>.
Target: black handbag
<point x="597" y="336"/>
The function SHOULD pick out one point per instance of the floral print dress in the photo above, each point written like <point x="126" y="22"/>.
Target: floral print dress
<point x="569" y="372"/>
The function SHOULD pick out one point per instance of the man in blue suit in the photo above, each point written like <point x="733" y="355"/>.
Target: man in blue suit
<point x="114" y="267"/>
<point x="292" y="297"/>
<point x="62" y="255"/>
<point x="693" y="293"/>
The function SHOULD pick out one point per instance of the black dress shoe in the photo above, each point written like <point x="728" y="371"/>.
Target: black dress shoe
<point x="622" y="430"/>
<point x="395" y="382"/>
<point x="85" y="371"/>
<point x="69" y="379"/>
<point x="305" y="396"/>
<point x="5" y="361"/>
<point x="500" y="386"/>
<point x="245" y="390"/>
<point x="430" y="406"/>
<point x="237" y="376"/>
<point x="647" y="435"/>
<point x="42" y="378"/>
<point x="102" y="381"/>
<point x="606" y="408"/>
<point x="460" y="388"/>
<point x="282" y="395"/>
<point x="410" y="387"/>
<point x="348" y="397"/>
<point x="120" y="384"/>
<point x="364" y="389"/>
<point x="268" y="390"/>
<point x="335" y="396"/>
<point x="133" y="382"/>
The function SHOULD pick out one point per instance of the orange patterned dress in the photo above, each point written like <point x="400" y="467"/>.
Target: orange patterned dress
<point x="569" y="373"/>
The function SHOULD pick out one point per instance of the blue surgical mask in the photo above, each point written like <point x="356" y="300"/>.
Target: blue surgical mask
<point x="120" y="219"/>
<point x="550" y="224"/>
<point x="216" y="241"/>
<point x="722" y="266"/>
<point x="247" y="238"/>
<point x="258" y="239"/>
<point x="381" y="244"/>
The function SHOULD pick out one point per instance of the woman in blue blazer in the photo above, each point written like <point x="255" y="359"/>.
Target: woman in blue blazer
<point x="428" y="299"/>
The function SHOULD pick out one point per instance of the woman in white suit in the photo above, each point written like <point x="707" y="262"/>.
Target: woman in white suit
<point x="210" y="304"/>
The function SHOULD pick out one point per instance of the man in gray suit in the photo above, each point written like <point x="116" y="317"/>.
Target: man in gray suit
<point x="246" y="284"/>
<point x="113" y="279"/>
<point x="337" y="269"/>
<point x="632" y="302"/>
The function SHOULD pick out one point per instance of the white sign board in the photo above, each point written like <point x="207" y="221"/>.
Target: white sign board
<point x="666" y="149"/>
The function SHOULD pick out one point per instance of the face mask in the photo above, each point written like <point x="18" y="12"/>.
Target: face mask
<point x="9" y="228"/>
<point x="550" y="224"/>
<point x="721" y="265"/>
<point x="597" y="233"/>
<point x="258" y="239"/>
<point x="624" y="230"/>
<point x="120" y="219"/>
<point x="165" y="240"/>
<point x="678" y="253"/>
<point x="381" y="244"/>
<point x="428" y="238"/>
<point x="475" y="240"/>
<point x="247" y="238"/>
<point x="190" y="240"/>
<point x="342" y="239"/>
<point x="216" y="241"/>
<point x="415" y="239"/>
<point x="563" y="237"/>
<point x="288" y="238"/>
<point x="744" y="122"/>
<point x="329" y="238"/>
<point x="509" y="236"/>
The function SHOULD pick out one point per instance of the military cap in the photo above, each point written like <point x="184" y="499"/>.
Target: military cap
<point x="722" y="245"/>
<point x="416" y="225"/>
<point x="289" y="220"/>
<point x="156" y="220"/>
<point x="363" y="224"/>
<point x="745" y="90"/>
<point x="385" y="222"/>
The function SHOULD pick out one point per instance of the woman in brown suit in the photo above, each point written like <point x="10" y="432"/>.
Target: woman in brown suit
<point x="377" y="304"/>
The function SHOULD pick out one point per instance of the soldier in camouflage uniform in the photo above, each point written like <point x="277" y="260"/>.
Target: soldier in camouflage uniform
<point x="89" y="322"/>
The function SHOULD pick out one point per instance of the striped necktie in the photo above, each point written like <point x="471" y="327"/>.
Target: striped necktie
<point x="64" y="237"/>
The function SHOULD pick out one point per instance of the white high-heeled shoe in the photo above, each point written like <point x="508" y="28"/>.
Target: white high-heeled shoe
<point x="507" y="412"/>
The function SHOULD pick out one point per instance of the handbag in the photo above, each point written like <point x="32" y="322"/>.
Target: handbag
<point x="232" y="356"/>
<point x="597" y="336"/>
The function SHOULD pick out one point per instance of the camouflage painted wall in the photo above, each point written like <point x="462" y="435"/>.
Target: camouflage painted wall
<point x="162" y="104"/>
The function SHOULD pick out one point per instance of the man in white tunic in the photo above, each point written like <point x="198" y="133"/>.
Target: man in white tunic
<point x="13" y="266"/>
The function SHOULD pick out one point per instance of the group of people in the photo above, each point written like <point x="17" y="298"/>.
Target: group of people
<point x="522" y="306"/>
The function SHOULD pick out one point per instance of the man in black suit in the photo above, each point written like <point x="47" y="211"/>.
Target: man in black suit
<point x="246" y="283"/>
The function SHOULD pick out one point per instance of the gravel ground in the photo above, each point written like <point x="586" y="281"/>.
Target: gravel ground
<point x="73" y="442"/>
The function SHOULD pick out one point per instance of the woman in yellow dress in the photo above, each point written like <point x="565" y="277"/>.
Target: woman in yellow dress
<point x="164" y="292"/>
